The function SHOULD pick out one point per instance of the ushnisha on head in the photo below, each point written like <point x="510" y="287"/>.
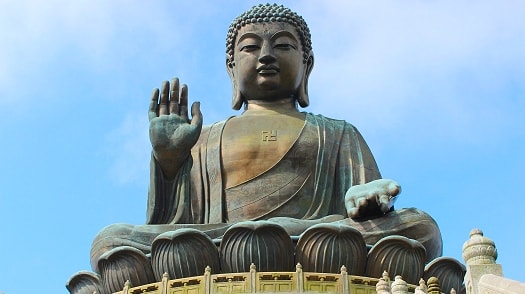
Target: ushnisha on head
<point x="267" y="14"/>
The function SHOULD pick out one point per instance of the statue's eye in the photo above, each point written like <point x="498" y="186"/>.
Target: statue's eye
<point x="249" y="47"/>
<point x="285" y="46"/>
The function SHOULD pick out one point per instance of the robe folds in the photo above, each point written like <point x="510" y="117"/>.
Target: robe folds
<point x="309" y="182"/>
<point x="306" y="186"/>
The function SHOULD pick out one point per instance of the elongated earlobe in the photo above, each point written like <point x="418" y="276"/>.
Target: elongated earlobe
<point x="302" y="95"/>
<point x="237" y="99"/>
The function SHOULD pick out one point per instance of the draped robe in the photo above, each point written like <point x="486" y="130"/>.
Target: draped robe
<point x="309" y="182"/>
<point x="306" y="185"/>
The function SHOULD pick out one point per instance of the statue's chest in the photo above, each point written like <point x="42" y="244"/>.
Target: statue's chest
<point x="253" y="144"/>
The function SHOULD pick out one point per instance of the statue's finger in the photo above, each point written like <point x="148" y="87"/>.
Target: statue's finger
<point x="164" y="98"/>
<point x="362" y="202"/>
<point x="349" y="201"/>
<point x="384" y="202"/>
<point x="394" y="188"/>
<point x="196" y="114"/>
<point x="183" y="102"/>
<point x="174" y="101"/>
<point x="154" y="104"/>
<point x="349" y="204"/>
<point x="353" y="212"/>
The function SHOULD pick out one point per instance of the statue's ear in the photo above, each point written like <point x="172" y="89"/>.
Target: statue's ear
<point x="302" y="96"/>
<point x="237" y="99"/>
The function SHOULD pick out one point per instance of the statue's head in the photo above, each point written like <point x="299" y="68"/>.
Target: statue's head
<point x="269" y="55"/>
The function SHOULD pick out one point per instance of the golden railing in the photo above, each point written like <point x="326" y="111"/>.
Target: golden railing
<point x="262" y="282"/>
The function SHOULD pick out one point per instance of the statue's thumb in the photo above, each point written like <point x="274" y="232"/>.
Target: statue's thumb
<point x="196" y="115"/>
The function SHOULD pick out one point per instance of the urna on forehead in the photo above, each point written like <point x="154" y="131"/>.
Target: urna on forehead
<point x="267" y="13"/>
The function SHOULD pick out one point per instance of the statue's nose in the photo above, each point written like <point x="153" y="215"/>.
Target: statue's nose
<point x="266" y="56"/>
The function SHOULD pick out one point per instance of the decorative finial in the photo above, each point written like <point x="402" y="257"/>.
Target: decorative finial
<point x="383" y="286"/>
<point x="479" y="249"/>
<point x="422" y="288"/>
<point x="475" y="231"/>
<point x="399" y="286"/>
<point x="433" y="286"/>
<point x="343" y="269"/>
<point x="386" y="277"/>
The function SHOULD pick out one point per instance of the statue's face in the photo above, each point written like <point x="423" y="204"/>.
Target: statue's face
<point x="268" y="61"/>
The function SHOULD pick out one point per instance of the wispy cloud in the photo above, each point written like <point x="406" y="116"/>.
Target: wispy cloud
<point x="93" y="35"/>
<point x="128" y="146"/>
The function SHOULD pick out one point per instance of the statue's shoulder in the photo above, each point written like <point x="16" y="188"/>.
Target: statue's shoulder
<point x="321" y="119"/>
<point x="207" y="129"/>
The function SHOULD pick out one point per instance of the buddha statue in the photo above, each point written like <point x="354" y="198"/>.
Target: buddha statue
<point x="272" y="166"/>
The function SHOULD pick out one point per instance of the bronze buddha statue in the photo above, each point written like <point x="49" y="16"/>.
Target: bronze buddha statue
<point x="273" y="163"/>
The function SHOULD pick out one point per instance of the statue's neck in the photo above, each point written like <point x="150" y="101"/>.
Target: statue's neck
<point x="282" y="106"/>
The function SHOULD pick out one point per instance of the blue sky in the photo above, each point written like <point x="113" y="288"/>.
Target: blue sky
<point x="437" y="88"/>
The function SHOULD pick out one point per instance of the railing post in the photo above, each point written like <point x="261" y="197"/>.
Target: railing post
<point x="399" y="286"/>
<point x="479" y="253"/>
<point x="344" y="280"/>
<point x="433" y="286"/>
<point x="127" y="285"/>
<point x="383" y="286"/>
<point x="253" y="278"/>
<point x="300" y="277"/>
<point x="207" y="280"/>
<point x="164" y="283"/>
<point x="422" y="288"/>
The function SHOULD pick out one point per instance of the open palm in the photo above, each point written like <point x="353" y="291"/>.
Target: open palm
<point x="172" y="133"/>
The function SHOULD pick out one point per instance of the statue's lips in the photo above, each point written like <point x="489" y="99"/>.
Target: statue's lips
<point x="268" y="69"/>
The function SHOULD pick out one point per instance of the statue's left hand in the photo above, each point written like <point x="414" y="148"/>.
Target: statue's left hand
<point x="371" y="198"/>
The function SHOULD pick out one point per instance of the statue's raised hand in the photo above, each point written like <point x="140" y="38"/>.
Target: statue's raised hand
<point x="371" y="198"/>
<point x="171" y="132"/>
